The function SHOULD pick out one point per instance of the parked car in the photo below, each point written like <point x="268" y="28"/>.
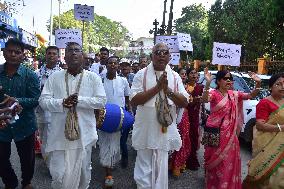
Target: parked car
<point x="242" y="82"/>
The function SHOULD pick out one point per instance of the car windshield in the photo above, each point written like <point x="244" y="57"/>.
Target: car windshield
<point x="264" y="92"/>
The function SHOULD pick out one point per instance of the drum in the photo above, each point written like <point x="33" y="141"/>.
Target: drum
<point x="114" y="118"/>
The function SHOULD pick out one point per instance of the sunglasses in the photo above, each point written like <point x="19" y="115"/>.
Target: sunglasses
<point x="228" y="78"/>
<point x="161" y="52"/>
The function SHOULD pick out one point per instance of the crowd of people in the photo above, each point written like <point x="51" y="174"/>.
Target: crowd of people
<point x="51" y="111"/>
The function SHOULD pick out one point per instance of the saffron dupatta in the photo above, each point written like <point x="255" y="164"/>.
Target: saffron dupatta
<point x="268" y="150"/>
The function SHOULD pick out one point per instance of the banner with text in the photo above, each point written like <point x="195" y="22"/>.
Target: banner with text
<point x="176" y="43"/>
<point x="84" y="12"/>
<point x="63" y="36"/>
<point x="174" y="59"/>
<point x="184" y="42"/>
<point x="170" y="41"/>
<point x="226" y="54"/>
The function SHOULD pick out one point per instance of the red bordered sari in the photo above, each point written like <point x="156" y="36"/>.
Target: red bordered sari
<point x="223" y="163"/>
<point x="266" y="169"/>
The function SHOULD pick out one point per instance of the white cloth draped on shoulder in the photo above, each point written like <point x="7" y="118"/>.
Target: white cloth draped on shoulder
<point x="147" y="132"/>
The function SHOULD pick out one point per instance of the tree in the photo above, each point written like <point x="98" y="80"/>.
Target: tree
<point x="101" y="32"/>
<point x="194" y="22"/>
<point x="255" y="24"/>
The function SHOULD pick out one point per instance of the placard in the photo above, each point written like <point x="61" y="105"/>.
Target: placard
<point x="170" y="41"/>
<point x="174" y="59"/>
<point x="63" y="36"/>
<point x="226" y="54"/>
<point x="84" y="12"/>
<point x="184" y="42"/>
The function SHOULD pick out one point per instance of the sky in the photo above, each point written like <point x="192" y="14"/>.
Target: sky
<point x="136" y="15"/>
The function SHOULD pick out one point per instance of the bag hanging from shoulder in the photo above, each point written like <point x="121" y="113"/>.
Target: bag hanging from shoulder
<point x="211" y="136"/>
<point x="163" y="110"/>
<point x="72" y="130"/>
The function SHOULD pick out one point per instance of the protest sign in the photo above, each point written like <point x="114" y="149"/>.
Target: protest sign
<point x="184" y="42"/>
<point x="226" y="54"/>
<point x="174" y="59"/>
<point x="170" y="41"/>
<point x="63" y="36"/>
<point x="83" y="12"/>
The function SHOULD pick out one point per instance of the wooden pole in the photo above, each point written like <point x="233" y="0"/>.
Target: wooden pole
<point x="83" y="33"/>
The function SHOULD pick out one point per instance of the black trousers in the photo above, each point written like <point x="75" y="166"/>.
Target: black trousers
<point x="26" y="153"/>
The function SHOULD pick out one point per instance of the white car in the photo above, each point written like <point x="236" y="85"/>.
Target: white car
<point x="242" y="82"/>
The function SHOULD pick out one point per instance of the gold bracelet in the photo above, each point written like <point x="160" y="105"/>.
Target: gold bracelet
<point x="279" y="127"/>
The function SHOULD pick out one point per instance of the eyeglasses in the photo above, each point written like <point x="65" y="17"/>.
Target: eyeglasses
<point x="161" y="52"/>
<point x="74" y="50"/>
<point x="228" y="78"/>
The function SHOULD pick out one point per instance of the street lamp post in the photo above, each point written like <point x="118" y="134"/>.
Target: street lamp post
<point x="155" y="29"/>
<point x="51" y="24"/>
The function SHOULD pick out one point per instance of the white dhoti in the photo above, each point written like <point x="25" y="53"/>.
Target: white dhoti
<point x="151" y="169"/>
<point x="109" y="144"/>
<point x="70" y="169"/>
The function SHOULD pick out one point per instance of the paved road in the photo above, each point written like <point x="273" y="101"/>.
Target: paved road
<point x="123" y="177"/>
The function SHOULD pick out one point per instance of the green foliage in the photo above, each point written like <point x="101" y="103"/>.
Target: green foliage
<point x="101" y="32"/>
<point x="258" y="25"/>
<point x="194" y="22"/>
<point x="40" y="53"/>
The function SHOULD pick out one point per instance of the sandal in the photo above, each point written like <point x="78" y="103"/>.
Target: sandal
<point x="109" y="181"/>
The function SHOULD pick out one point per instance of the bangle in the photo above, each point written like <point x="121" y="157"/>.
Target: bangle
<point x="279" y="127"/>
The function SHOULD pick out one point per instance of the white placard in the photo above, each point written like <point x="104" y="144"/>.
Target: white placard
<point x="226" y="54"/>
<point x="184" y="42"/>
<point x="63" y="36"/>
<point x="84" y="12"/>
<point x="174" y="59"/>
<point x="170" y="41"/>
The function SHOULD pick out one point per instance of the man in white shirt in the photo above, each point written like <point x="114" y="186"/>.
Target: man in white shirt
<point x="148" y="138"/>
<point x="82" y="91"/>
<point x="100" y="68"/>
<point x="117" y="92"/>
<point x="43" y="117"/>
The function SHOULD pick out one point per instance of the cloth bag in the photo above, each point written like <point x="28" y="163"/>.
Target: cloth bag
<point x="72" y="130"/>
<point x="163" y="110"/>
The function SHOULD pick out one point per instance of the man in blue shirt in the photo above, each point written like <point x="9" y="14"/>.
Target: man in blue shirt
<point x="22" y="84"/>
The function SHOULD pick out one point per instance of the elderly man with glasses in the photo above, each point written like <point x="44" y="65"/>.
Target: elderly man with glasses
<point x="152" y="85"/>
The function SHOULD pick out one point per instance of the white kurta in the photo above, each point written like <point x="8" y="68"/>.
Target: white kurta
<point x="116" y="90"/>
<point x="91" y="96"/>
<point x="96" y="69"/>
<point x="151" y="166"/>
<point x="146" y="132"/>
<point x="70" y="161"/>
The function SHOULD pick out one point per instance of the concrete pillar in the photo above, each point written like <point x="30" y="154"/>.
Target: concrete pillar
<point x="197" y="64"/>
<point x="221" y="67"/>
<point x="261" y="66"/>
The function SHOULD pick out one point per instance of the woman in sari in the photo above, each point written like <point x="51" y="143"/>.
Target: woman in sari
<point x="266" y="169"/>
<point x="178" y="158"/>
<point x="193" y="108"/>
<point x="222" y="161"/>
